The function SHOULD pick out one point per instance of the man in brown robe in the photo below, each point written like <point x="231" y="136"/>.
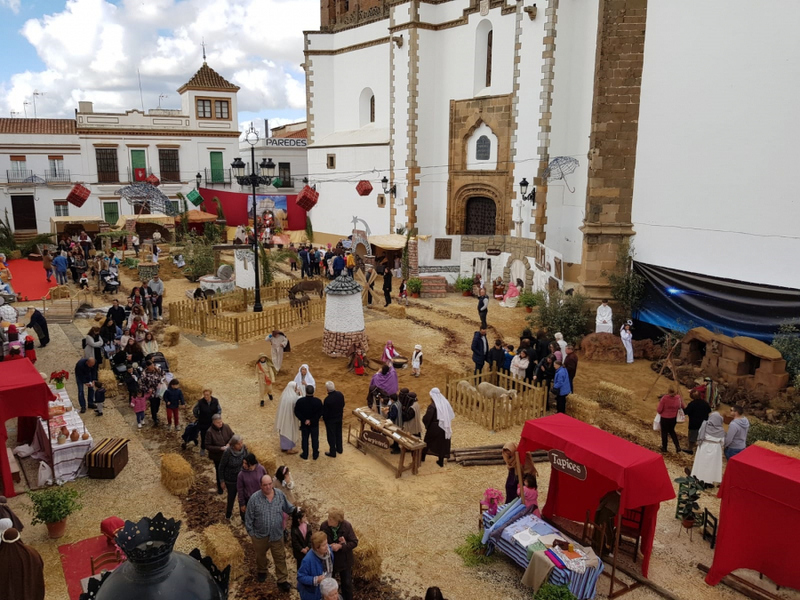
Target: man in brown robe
<point x="21" y="569"/>
<point x="7" y="513"/>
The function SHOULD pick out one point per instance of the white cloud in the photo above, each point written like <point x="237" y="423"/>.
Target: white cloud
<point x="92" y="50"/>
<point x="13" y="5"/>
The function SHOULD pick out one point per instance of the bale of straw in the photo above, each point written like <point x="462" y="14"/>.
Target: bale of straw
<point x="224" y="549"/>
<point x="790" y="451"/>
<point x="172" y="359"/>
<point x="396" y="311"/>
<point x="176" y="474"/>
<point x="106" y="377"/>
<point x="172" y="335"/>
<point x="367" y="560"/>
<point x="192" y="390"/>
<point x="582" y="408"/>
<point x="263" y="454"/>
<point x="614" y="397"/>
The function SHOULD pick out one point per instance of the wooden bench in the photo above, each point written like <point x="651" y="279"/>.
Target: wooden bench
<point x="12" y="462"/>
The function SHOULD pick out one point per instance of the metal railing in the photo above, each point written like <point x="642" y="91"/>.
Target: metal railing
<point x="132" y="175"/>
<point x="20" y="176"/>
<point x="57" y="176"/>
<point x="217" y="176"/>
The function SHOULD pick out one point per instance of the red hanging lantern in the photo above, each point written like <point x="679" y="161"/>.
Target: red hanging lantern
<point x="364" y="188"/>
<point x="307" y="198"/>
<point x="78" y="195"/>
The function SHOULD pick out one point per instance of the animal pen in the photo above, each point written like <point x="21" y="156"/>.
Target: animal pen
<point x="207" y="317"/>
<point x="499" y="412"/>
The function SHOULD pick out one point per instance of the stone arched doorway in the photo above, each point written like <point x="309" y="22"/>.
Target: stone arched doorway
<point x="480" y="216"/>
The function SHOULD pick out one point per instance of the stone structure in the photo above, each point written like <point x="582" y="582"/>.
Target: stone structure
<point x="344" y="317"/>
<point x="739" y="361"/>
<point x="147" y="270"/>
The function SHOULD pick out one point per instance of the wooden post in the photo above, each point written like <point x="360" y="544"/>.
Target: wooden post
<point x="202" y="322"/>
<point x="236" y="330"/>
<point x="244" y="293"/>
<point x="666" y="360"/>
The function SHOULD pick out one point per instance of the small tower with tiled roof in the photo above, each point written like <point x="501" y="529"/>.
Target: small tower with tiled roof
<point x="210" y="100"/>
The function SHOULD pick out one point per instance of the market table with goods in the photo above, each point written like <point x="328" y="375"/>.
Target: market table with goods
<point x="546" y="553"/>
<point x="377" y="434"/>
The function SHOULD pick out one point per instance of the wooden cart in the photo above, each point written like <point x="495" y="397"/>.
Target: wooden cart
<point x="376" y="435"/>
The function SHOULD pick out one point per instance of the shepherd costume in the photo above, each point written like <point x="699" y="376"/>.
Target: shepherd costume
<point x="301" y="381"/>
<point x="21" y="569"/>
<point x="280" y="344"/>
<point x="286" y="424"/>
<point x="438" y="419"/>
<point x="388" y="383"/>
<point x="265" y="375"/>
<point x="7" y="513"/>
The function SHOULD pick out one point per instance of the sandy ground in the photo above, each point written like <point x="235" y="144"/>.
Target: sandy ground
<point x="416" y="521"/>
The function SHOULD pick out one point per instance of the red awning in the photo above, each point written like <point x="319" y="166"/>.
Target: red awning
<point x="760" y="494"/>
<point x="611" y="463"/>
<point x="23" y="393"/>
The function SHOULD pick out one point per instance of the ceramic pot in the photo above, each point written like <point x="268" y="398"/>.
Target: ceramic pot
<point x="56" y="530"/>
<point x="688" y="523"/>
<point x="62" y="438"/>
<point x="74" y="436"/>
<point x="466" y="293"/>
<point x="528" y="309"/>
<point x="85" y="435"/>
<point x="59" y="385"/>
<point x="414" y="295"/>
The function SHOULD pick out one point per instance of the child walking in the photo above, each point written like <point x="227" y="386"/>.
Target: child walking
<point x="416" y="360"/>
<point x="139" y="404"/>
<point x="173" y="400"/>
<point x="99" y="398"/>
<point x="404" y="292"/>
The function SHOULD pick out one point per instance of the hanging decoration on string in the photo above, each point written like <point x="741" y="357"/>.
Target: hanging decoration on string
<point x="559" y="168"/>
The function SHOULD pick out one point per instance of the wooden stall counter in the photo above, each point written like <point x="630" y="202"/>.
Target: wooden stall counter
<point x="376" y="436"/>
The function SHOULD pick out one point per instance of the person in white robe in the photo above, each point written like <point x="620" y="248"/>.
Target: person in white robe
<point x="286" y="424"/>
<point x="627" y="341"/>
<point x="562" y="344"/>
<point x="708" y="457"/>
<point x="302" y="379"/>
<point x="603" y="322"/>
<point x="279" y="343"/>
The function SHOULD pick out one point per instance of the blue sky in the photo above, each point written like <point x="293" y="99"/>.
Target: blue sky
<point x="72" y="50"/>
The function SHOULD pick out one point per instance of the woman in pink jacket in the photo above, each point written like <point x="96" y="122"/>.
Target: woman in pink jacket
<point x="668" y="408"/>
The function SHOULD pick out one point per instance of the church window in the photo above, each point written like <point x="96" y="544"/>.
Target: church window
<point x="372" y="109"/>
<point x="483" y="56"/>
<point x="483" y="148"/>
<point x="489" y="59"/>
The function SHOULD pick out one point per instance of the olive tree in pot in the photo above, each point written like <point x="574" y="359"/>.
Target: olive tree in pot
<point x="52" y="506"/>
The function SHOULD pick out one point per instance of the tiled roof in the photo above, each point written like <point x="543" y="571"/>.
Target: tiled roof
<point x="208" y="78"/>
<point x="300" y="133"/>
<point x="43" y="126"/>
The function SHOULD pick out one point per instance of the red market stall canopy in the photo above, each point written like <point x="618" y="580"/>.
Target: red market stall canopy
<point x="234" y="205"/>
<point x="760" y="492"/>
<point x="610" y="462"/>
<point x="23" y="393"/>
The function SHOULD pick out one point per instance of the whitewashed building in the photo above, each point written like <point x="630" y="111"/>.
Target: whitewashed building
<point x="41" y="159"/>
<point x="683" y="144"/>
<point x="286" y="146"/>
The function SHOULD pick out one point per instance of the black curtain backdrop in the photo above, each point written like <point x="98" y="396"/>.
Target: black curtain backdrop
<point x="680" y="300"/>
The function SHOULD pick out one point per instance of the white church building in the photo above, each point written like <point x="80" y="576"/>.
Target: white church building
<point x="675" y="117"/>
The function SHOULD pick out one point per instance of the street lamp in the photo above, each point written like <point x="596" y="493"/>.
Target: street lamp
<point x="523" y="188"/>
<point x="199" y="178"/>
<point x="267" y="168"/>
<point x="386" y="189"/>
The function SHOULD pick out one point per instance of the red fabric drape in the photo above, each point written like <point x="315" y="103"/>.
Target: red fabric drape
<point x="760" y="492"/>
<point x="612" y="464"/>
<point x="23" y="393"/>
<point x="234" y="204"/>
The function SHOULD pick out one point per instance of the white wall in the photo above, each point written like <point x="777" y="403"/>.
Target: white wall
<point x="715" y="189"/>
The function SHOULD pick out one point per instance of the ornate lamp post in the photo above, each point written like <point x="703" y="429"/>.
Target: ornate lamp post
<point x="267" y="169"/>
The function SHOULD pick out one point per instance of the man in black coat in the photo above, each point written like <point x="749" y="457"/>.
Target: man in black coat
<point x="117" y="314"/>
<point x="387" y="286"/>
<point x="39" y="325"/>
<point x="308" y="411"/>
<point x="333" y="414"/>
<point x="86" y="374"/>
<point x="480" y="349"/>
<point x="204" y="411"/>
<point x="497" y="356"/>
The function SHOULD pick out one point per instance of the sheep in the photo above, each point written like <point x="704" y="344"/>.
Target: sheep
<point x="487" y="390"/>
<point x="464" y="386"/>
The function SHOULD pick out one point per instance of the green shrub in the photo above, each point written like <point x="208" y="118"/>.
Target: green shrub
<point x="53" y="504"/>
<point x="788" y="434"/>
<point x="463" y="284"/>
<point x="787" y="342"/>
<point x="627" y="286"/>
<point x="473" y="552"/>
<point x="570" y="315"/>
<point x="528" y="299"/>
<point x="554" y="592"/>
<point x="414" y="285"/>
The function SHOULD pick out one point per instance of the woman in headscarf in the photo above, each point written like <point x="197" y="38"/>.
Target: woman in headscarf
<point x="627" y="340"/>
<point x="280" y="344"/>
<point x="265" y="375"/>
<point x="302" y="379"/>
<point x="562" y="345"/>
<point x="511" y="293"/>
<point x="21" y="569"/>
<point x="512" y="481"/>
<point x="384" y="380"/>
<point x="708" y="457"/>
<point x="438" y="430"/>
<point x="286" y="424"/>
<point x="389" y="353"/>
<point x="7" y="513"/>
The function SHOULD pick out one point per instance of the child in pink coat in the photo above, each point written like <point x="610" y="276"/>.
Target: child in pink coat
<point x="530" y="493"/>
<point x="139" y="405"/>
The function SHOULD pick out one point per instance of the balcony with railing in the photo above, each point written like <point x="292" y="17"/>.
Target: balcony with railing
<point x="57" y="176"/>
<point x="29" y="177"/>
<point x="139" y="174"/>
<point x="221" y="177"/>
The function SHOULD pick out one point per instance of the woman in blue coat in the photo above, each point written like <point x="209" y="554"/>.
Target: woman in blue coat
<point x="316" y="566"/>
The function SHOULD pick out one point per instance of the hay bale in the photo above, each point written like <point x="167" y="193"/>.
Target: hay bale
<point x="396" y="311"/>
<point x="264" y="454"/>
<point x="106" y="377"/>
<point x="172" y="335"/>
<point x="192" y="391"/>
<point x="176" y="474"/>
<point x="367" y="560"/>
<point x="172" y="360"/>
<point x="224" y="549"/>
<point x="614" y="397"/>
<point x="790" y="451"/>
<point x="582" y="408"/>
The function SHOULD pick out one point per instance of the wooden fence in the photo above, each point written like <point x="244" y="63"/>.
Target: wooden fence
<point x="495" y="413"/>
<point x="204" y="318"/>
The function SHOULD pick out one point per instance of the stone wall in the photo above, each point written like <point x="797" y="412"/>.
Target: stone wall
<point x="463" y="184"/>
<point x="339" y="344"/>
<point x="147" y="270"/>
<point x="519" y="248"/>
<point x="612" y="155"/>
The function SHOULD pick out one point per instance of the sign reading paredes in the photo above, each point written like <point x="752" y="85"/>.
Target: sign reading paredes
<point x="285" y="142"/>
<point x="562" y="463"/>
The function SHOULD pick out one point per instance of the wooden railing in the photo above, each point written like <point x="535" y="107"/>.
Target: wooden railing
<point x="495" y="413"/>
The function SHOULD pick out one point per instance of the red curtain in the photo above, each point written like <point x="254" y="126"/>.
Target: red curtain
<point x="235" y="206"/>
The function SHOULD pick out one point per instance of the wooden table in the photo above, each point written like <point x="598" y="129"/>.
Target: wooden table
<point x="376" y="435"/>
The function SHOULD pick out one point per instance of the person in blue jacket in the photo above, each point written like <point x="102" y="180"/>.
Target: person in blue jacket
<point x="316" y="566"/>
<point x="561" y="387"/>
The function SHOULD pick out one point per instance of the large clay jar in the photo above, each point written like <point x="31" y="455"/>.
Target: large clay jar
<point x="74" y="436"/>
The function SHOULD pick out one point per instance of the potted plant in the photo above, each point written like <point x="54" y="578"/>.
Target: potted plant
<point x="414" y="286"/>
<point x="688" y="496"/>
<point x="52" y="506"/>
<point x="528" y="300"/>
<point x="464" y="285"/>
<point x="59" y="377"/>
